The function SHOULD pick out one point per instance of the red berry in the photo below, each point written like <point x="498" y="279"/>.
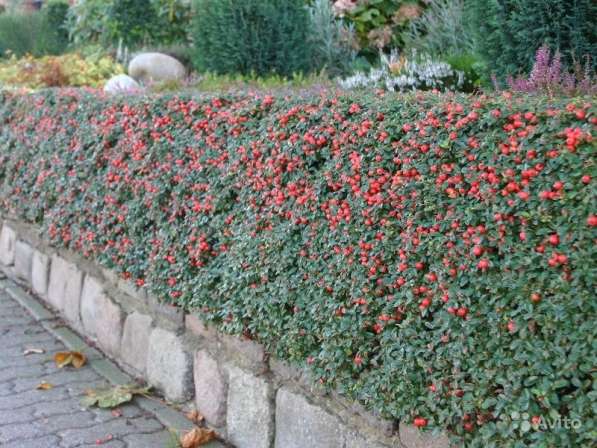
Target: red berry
<point x="477" y="251"/>
<point x="585" y="179"/>
<point x="535" y="298"/>
<point x="554" y="239"/>
<point x="558" y="185"/>
<point x="468" y="426"/>
<point x="511" y="326"/>
<point x="419" y="266"/>
<point x="420" y="422"/>
<point x="592" y="221"/>
<point x="462" y="312"/>
<point x="483" y="264"/>
<point x="536" y="420"/>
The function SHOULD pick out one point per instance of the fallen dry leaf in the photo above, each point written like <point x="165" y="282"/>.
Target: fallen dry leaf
<point x="116" y="412"/>
<point x="113" y="396"/>
<point x="33" y="351"/>
<point x="44" y="386"/>
<point x="76" y="359"/>
<point x="195" y="416"/>
<point x="197" y="437"/>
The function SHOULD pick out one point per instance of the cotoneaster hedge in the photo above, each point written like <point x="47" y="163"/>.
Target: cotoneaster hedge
<point x="430" y="256"/>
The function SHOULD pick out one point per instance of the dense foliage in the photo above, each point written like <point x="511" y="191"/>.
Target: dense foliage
<point x="429" y="255"/>
<point x="71" y="69"/>
<point x="251" y="37"/>
<point x="509" y="32"/>
<point x="379" y="23"/>
<point x="132" y="22"/>
<point x="38" y="33"/>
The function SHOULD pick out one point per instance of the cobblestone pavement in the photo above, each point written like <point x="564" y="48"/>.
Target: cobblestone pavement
<point x="54" y="418"/>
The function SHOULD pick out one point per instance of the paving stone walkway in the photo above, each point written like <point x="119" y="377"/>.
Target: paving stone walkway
<point x="54" y="418"/>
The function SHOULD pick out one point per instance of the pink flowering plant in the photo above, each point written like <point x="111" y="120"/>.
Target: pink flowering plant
<point x="550" y="77"/>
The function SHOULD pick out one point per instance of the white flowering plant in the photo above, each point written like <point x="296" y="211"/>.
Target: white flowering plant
<point x="400" y="73"/>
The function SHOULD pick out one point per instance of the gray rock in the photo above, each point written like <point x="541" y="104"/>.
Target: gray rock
<point x="156" y="67"/>
<point x="122" y="84"/>
<point x="300" y="424"/>
<point x="64" y="289"/>
<point x="169" y="366"/>
<point x="412" y="437"/>
<point x="8" y="239"/>
<point x="210" y="389"/>
<point x="250" y="416"/>
<point x="40" y="272"/>
<point x="101" y="317"/>
<point x="23" y="260"/>
<point x="135" y="341"/>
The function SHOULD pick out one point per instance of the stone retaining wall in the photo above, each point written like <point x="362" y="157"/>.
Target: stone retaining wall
<point x="252" y="399"/>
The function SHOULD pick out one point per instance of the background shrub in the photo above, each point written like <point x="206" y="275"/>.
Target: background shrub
<point x="55" y="26"/>
<point x="131" y="21"/>
<point x="440" y="30"/>
<point x="333" y="42"/>
<point x="36" y="33"/>
<point x="427" y="256"/>
<point x="251" y="37"/>
<point x="509" y="32"/>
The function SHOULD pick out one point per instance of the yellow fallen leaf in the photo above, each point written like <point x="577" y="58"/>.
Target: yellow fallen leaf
<point x="44" y="386"/>
<point x="77" y="359"/>
<point x="33" y="351"/>
<point x="197" y="437"/>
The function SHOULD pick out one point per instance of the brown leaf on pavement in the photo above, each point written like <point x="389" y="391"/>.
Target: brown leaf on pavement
<point x="197" y="437"/>
<point x="44" y="386"/>
<point x="195" y="416"/>
<point x="76" y="359"/>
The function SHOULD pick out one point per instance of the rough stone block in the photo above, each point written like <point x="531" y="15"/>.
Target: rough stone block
<point x="210" y="389"/>
<point x="250" y="416"/>
<point x="132" y="290"/>
<point x="101" y="317"/>
<point x="167" y="315"/>
<point x="247" y="353"/>
<point x="198" y="328"/>
<point x="40" y="272"/>
<point x="64" y="289"/>
<point x="358" y="441"/>
<point x="8" y="239"/>
<point x="412" y="437"/>
<point x="300" y="424"/>
<point x="169" y="366"/>
<point x="135" y="340"/>
<point x="23" y="260"/>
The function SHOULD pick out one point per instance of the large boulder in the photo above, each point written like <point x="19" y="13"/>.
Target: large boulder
<point x="147" y="67"/>
<point x="120" y="84"/>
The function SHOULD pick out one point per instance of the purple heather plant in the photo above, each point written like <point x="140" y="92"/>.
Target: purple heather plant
<point x="551" y="77"/>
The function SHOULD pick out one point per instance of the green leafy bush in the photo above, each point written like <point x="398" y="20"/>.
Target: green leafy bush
<point x="134" y="22"/>
<point x="251" y="37"/>
<point x="54" y="22"/>
<point x="428" y="255"/>
<point x="509" y="32"/>
<point x="379" y="23"/>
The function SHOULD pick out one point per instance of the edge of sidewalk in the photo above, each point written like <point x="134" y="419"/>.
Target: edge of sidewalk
<point x="172" y="419"/>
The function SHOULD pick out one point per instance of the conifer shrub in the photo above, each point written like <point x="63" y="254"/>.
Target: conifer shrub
<point x="251" y="37"/>
<point x="509" y="32"/>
